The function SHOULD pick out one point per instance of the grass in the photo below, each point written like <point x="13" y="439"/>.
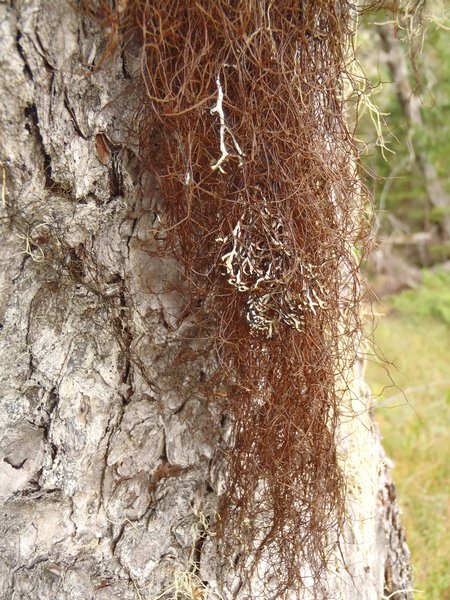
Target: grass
<point x="415" y="423"/>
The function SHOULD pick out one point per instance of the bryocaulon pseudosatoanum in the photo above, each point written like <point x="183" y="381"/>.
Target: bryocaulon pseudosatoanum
<point x="240" y="117"/>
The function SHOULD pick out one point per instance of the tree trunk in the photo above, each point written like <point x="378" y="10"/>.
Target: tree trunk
<point x="107" y="477"/>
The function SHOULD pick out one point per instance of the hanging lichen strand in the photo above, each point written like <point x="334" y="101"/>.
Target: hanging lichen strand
<point x="242" y="123"/>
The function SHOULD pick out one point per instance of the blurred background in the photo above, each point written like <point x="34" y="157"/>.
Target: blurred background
<point x="407" y="155"/>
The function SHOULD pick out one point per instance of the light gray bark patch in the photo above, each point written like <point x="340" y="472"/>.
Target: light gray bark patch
<point x="138" y="444"/>
<point x="34" y="530"/>
<point x="21" y="456"/>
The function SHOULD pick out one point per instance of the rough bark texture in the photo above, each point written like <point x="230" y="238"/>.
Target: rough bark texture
<point x="107" y="481"/>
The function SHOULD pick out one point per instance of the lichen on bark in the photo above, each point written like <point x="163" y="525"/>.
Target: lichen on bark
<point x="108" y="479"/>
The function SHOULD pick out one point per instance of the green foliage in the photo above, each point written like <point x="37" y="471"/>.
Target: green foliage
<point x="413" y="417"/>
<point x="432" y="299"/>
<point x="440" y="252"/>
<point x="437" y="214"/>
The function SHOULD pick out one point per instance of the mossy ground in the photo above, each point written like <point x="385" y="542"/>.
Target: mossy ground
<point x="414" y="420"/>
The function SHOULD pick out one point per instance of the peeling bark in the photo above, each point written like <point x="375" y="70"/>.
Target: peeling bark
<point x="107" y="476"/>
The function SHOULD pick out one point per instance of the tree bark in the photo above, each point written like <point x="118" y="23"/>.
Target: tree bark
<point x="107" y="477"/>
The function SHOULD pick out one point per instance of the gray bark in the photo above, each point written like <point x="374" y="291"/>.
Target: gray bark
<point x="107" y="474"/>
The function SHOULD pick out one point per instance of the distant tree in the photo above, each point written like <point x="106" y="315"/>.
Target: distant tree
<point x="409" y="103"/>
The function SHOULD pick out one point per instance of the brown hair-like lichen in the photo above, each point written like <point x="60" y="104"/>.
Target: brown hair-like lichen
<point x="241" y="120"/>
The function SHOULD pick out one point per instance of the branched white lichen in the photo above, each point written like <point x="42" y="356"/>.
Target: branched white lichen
<point x="224" y="129"/>
<point x="259" y="263"/>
